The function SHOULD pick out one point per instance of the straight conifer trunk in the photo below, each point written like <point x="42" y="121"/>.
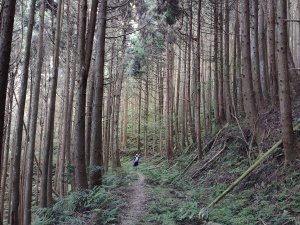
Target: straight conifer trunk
<point x="228" y="105"/>
<point x="256" y="66"/>
<point x="248" y="93"/>
<point x="85" y="55"/>
<point x="20" y="120"/>
<point x="288" y="137"/>
<point x="272" y="51"/>
<point x="7" y="147"/>
<point x="7" y="16"/>
<point x="33" y="120"/>
<point x="96" y="140"/>
<point x="216" y="66"/>
<point x="46" y="181"/>
<point x="198" y="86"/>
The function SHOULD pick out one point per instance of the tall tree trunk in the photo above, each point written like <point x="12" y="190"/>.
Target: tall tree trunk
<point x="169" y="141"/>
<point x="46" y="180"/>
<point x="293" y="73"/>
<point x="262" y="53"/>
<point x="256" y="66"/>
<point x="178" y="85"/>
<point x="288" y="137"/>
<point x="7" y="16"/>
<point x="146" y="113"/>
<point x="241" y="106"/>
<point x="108" y="111"/>
<point x="33" y="121"/>
<point x="125" y="123"/>
<point x="198" y="79"/>
<point x="228" y="105"/>
<point x="216" y="66"/>
<point x="209" y="90"/>
<point x="111" y="118"/>
<point x="161" y="106"/>
<point x="139" y="116"/>
<point x="191" y="124"/>
<point x="96" y="140"/>
<point x="85" y="54"/>
<point x="248" y="93"/>
<point x="235" y="66"/>
<point x="65" y="132"/>
<point x="272" y="52"/>
<point x="184" y="99"/>
<point x="20" y="120"/>
<point x="7" y="146"/>
<point x="116" y="114"/>
<point x="221" y="63"/>
<point x="88" y="117"/>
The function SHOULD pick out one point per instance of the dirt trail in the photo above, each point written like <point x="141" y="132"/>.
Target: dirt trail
<point x="137" y="204"/>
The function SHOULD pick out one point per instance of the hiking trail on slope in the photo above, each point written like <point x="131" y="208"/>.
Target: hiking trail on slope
<point x="137" y="204"/>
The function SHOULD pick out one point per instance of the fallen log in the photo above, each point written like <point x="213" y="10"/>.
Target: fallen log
<point x="203" y="214"/>
<point x="214" y="158"/>
<point x="213" y="141"/>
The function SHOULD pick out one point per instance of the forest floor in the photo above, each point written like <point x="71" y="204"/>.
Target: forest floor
<point x="137" y="202"/>
<point x="161" y="194"/>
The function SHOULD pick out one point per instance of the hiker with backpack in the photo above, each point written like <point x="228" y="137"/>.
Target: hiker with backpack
<point x="136" y="160"/>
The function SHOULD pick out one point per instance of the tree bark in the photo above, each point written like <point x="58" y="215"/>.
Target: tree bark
<point x="198" y="79"/>
<point x="294" y="74"/>
<point x="222" y="115"/>
<point x="228" y="105"/>
<point x="272" y="52"/>
<point x="191" y="124"/>
<point x="256" y="66"/>
<point x="116" y="114"/>
<point x="33" y="120"/>
<point x="65" y="131"/>
<point x="169" y="141"/>
<point x="288" y="137"/>
<point x="96" y="140"/>
<point x="85" y="52"/>
<point x="263" y="53"/>
<point x="7" y="17"/>
<point x="216" y="66"/>
<point x="7" y="147"/>
<point x="20" y="120"/>
<point x="248" y="93"/>
<point x="88" y="117"/>
<point x="46" y="180"/>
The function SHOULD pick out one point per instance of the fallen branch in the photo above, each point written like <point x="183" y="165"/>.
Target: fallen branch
<point x="205" y="147"/>
<point x="175" y="164"/>
<point x="210" y="161"/>
<point x="186" y="169"/>
<point x="244" y="175"/>
<point x="188" y="148"/>
<point x="214" y="139"/>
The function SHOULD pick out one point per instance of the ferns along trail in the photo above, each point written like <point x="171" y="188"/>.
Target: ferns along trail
<point x="149" y="112"/>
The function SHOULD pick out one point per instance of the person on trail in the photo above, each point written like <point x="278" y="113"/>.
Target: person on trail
<point x="136" y="160"/>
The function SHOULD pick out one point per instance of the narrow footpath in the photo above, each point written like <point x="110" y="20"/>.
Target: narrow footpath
<point x="137" y="204"/>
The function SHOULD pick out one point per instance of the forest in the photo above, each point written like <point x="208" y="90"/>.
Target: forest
<point x="155" y="112"/>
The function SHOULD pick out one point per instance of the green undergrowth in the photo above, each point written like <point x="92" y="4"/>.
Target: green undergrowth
<point x="100" y="205"/>
<point x="270" y="195"/>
